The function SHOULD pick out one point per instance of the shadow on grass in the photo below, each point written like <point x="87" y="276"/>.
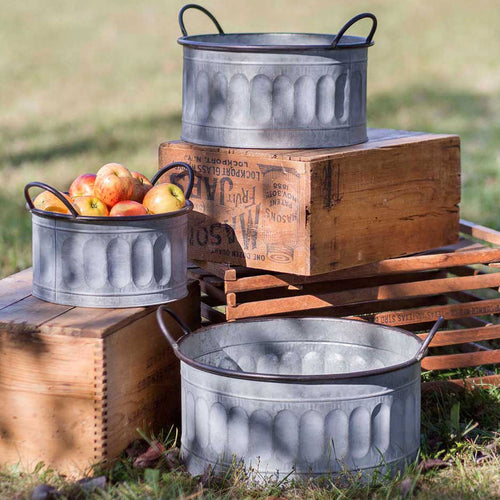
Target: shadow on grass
<point x="70" y="139"/>
<point x="453" y="418"/>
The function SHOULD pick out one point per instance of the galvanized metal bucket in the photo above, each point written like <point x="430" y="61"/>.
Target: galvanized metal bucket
<point x="274" y="90"/>
<point x="299" y="396"/>
<point x="106" y="262"/>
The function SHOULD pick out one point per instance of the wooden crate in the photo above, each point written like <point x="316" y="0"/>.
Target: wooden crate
<point x="76" y="383"/>
<point x="309" y="212"/>
<point x="460" y="282"/>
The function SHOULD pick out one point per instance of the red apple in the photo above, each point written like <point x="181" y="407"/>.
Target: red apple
<point x="113" y="183"/>
<point x="91" y="205"/>
<point x="164" y="198"/>
<point x="128" y="207"/>
<point x="83" y="185"/>
<point x="141" y="186"/>
<point x="51" y="203"/>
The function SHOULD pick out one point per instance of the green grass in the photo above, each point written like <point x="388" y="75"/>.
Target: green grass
<point x="84" y="85"/>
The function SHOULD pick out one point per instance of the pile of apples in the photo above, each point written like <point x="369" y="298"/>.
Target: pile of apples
<point x="117" y="192"/>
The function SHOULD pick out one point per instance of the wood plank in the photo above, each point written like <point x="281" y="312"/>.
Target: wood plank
<point x="212" y="314"/>
<point x="213" y="291"/>
<point x="15" y="287"/>
<point x="30" y="312"/>
<point x="480" y="232"/>
<point x="470" y="383"/>
<point x="432" y="313"/>
<point x="389" y="266"/>
<point x="46" y="364"/>
<point x="384" y="292"/>
<point x="452" y="337"/>
<point x="337" y="286"/>
<point x="448" y="361"/>
<point x="99" y="323"/>
<point x="224" y="271"/>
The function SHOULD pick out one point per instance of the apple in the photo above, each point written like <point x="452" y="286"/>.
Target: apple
<point x="91" y="205"/>
<point x="164" y="198"/>
<point x="51" y="203"/>
<point x="128" y="207"/>
<point x="83" y="185"/>
<point x="141" y="186"/>
<point x="113" y="183"/>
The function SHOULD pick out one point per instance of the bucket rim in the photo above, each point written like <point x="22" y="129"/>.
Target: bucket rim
<point x="324" y="378"/>
<point x="198" y="42"/>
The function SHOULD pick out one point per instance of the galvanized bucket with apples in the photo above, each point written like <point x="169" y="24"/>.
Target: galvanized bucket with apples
<point x="116" y="239"/>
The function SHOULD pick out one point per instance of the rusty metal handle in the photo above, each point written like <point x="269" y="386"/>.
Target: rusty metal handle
<point x="185" y="329"/>
<point x="425" y="344"/>
<point x="352" y="21"/>
<point x="172" y="165"/>
<point x="205" y="11"/>
<point x="52" y="190"/>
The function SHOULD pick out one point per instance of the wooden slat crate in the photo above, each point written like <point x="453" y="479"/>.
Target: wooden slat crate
<point x="309" y="212"/>
<point x="77" y="383"/>
<point x="460" y="282"/>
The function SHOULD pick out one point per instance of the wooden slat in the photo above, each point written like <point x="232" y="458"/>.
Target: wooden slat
<point x="384" y="292"/>
<point x="452" y="337"/>
<point x="448" y="361"/>
<point x="30" y="312"/>
<point x="389" y="266"/>
<point x="98" y="323"/>
<point x="16" y="287"/>
<point x="469" y="383"/>
<point x="432" y="313"/>
<point x="480" y="232"/>
<point x="223" y="271"/>
<point x="212" y="314"/>
<point x="212" y="291"/>
<point x="337" y="286"/>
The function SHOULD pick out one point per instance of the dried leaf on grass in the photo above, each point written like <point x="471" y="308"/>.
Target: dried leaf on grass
<point x="150" y="457"/>
<point x="432" y="463"/>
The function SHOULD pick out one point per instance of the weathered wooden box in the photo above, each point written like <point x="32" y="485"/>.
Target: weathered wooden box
<point x="460" y="282"/>
<point x="76" y="383"/>
<point x="309" y="212"/>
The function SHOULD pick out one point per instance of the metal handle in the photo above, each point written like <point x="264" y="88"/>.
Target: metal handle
<point x="354" y="20"/>
<point x="52" y="190"/>
<point x="172" y="165"/>
<point x="205" y="11"/>
<point x="423" y="348"/>
<point x="185" y="329"/>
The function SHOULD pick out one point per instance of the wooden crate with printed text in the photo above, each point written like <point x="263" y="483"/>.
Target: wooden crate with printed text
<point x="309" y="212"/>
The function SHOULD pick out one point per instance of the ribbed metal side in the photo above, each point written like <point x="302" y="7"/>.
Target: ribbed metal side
<point x="271" y="100"/>
<point x="311" y="429"/>
<point x="112" y="264"/>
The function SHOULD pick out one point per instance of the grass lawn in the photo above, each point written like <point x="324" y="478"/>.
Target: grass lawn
<point x="83" y="84"/>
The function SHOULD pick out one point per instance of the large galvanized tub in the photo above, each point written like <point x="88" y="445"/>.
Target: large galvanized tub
<point x="274" y="90"/>
<point x="306" y="397"/>
<point x="106" y="262"/>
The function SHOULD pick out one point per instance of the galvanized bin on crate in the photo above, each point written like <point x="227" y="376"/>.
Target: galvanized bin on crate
<point x="274" y="90"/>
<point x="299" y="397"/>
<point x="105" y="262"/>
